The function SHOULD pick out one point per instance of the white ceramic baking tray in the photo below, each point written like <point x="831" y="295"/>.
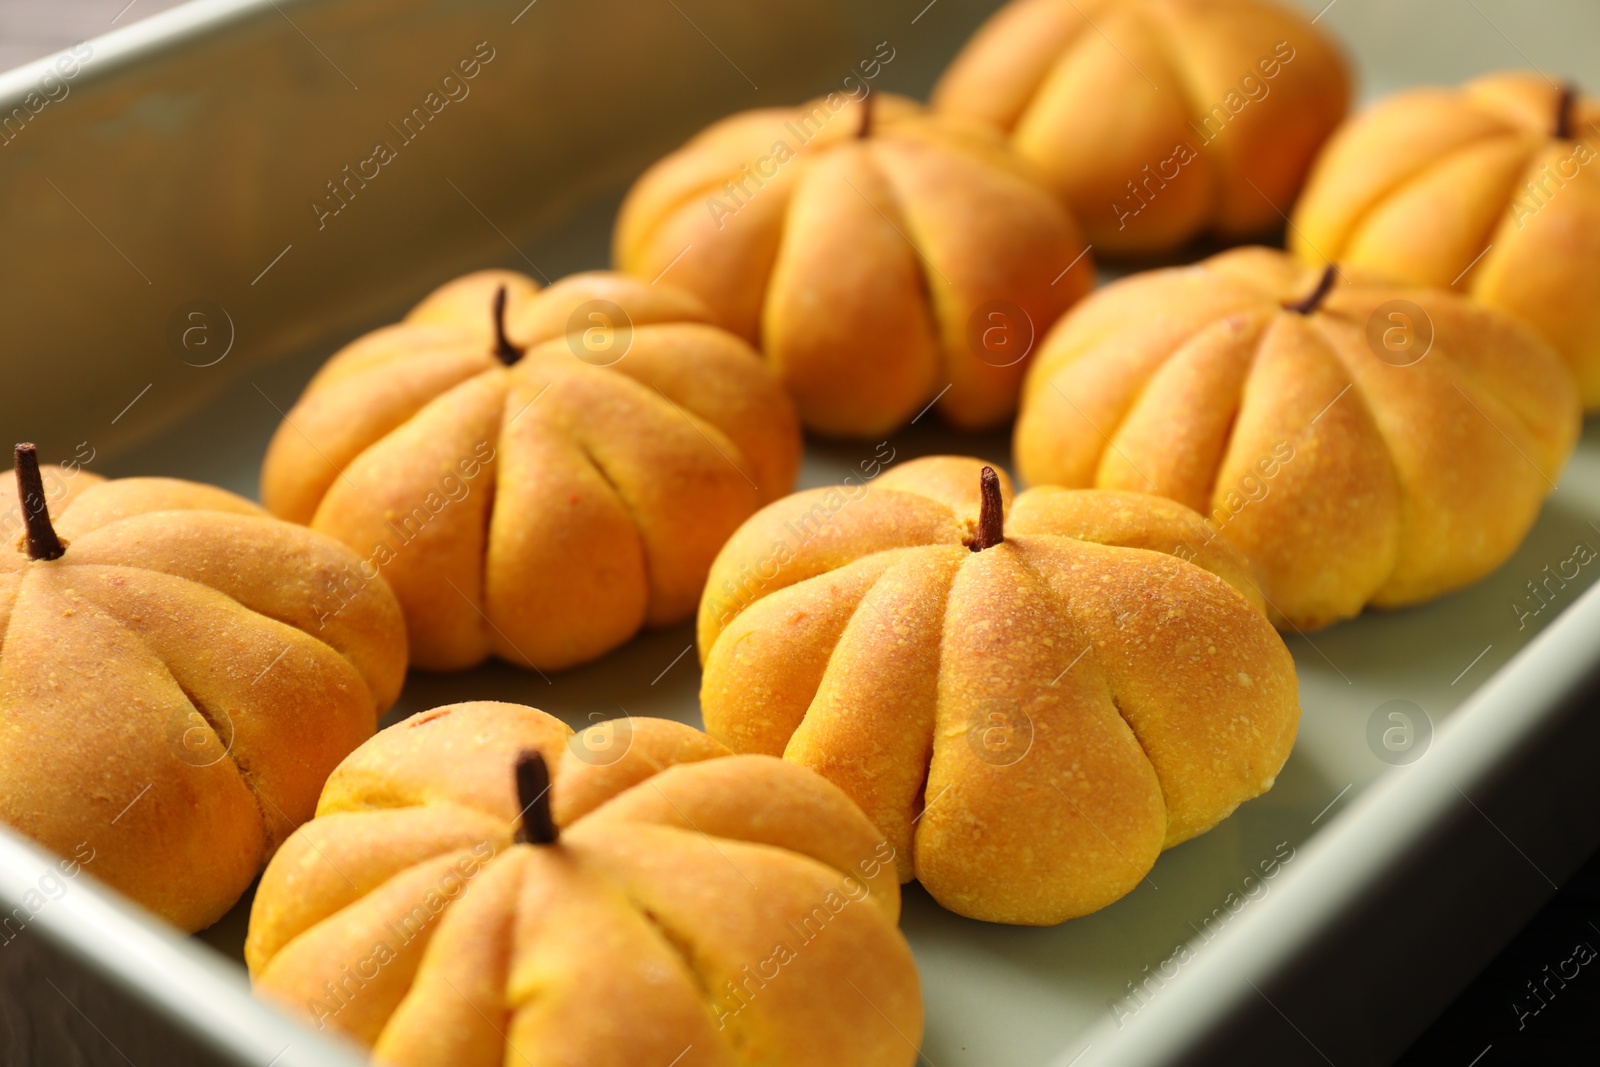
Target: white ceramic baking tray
<point x="176" y="174"/>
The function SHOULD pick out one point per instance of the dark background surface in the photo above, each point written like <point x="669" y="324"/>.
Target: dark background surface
<point x="1500" y="1020"/>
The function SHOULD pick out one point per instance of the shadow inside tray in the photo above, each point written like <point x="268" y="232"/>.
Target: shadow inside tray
<point x="656" y="674"/>
<point x="1092" y="964"/>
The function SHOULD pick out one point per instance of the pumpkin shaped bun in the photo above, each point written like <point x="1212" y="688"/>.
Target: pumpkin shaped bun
<point x="1360" y="442"/>
<point x="1031" y="698"/>
<point x="1156" y="121"/>
<point x="177" y="678"/>
<point x="1492" y="188"/>
<point x="482" y="887"/>
<point x="880" y="258"/>
<point x="538" y="474"/>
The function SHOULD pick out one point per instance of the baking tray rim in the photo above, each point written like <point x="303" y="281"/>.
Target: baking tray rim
<point x="202" y="991"/>
<point x="136" y="41"/>
<point x="186" y="981"/>
<point x="1497" y="724"/>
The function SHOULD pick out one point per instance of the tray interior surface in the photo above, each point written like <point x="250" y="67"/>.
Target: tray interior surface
<point x="1001" y="995"/>
<point x="1009" y="996"/>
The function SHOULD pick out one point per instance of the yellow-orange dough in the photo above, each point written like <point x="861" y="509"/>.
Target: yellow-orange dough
<point x="175" y="688"/>
<point x="699" y="908"/>
<point x="1479" y="188"/>
<point x="875" y="271"/>
<point x="1029" y="724"/>
<point x="1390" y="446"/>
<point x="544" y="511"/>
<point x="1156" y="121"/>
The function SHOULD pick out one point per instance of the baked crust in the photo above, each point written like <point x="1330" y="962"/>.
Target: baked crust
<point x="1156" y="121"/>
<point x="1473" y="188"/>
<point x="866" y="268"/>
<point x="1348" y="473"/>
<point x="1030" y="724"/>
<point x="406" y="916"/>
<point x="175" y="688"/>
<point x="541" y="512"/>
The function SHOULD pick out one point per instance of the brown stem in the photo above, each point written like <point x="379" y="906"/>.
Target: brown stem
<point x="504" y="350"/>
<point x="1564" y="105"/>
<point x="42" y="540"/>
<point x="865" y="129"/>
<point x="991" y="512"/>
<point x="1318" y="295"/>
<point x="533" y="796"/>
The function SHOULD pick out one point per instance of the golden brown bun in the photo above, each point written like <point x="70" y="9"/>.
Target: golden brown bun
<point x="545" y="511"/>
<point x="726" y="911"/>
<point x="1156" y="121"/>
<point x="1030" y="724"/>
<point x="177" y="686"/>
<point x="1347" y="479"/>
<point x="1473" y="188"/>
<point x="865" y="268"/>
